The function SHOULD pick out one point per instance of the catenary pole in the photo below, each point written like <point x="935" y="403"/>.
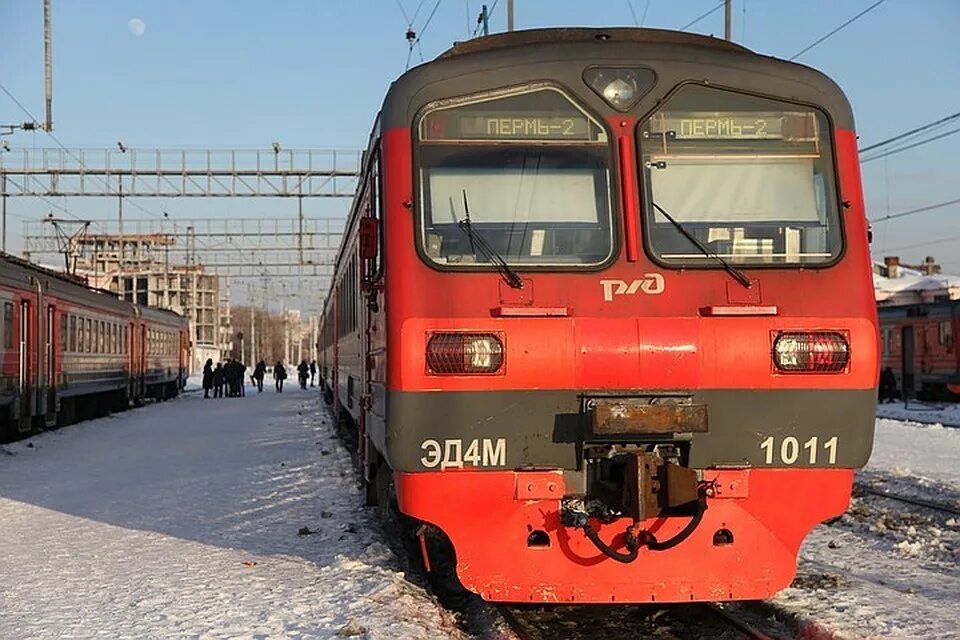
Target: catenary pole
<point x="728" y="20"/>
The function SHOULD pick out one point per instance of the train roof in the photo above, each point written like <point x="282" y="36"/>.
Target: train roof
<point x="572" y="35"/>
<point x="562" y="56"/>
<point x="157" y="314"/>
<point x="17" y="272"/>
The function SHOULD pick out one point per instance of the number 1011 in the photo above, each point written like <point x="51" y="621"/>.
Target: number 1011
<point x="790" y="450"/>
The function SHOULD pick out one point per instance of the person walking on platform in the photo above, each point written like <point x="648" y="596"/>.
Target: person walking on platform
<point x="258" y="373"/>
<point x="207" y="377"/>
<point x="242" y="378"/>
<point x="303" y="372"/>
<point x="313" y="371"/>
<point x="279" y="375"/>
<point x="228" y="377"/>
<point x="218" y="381"/>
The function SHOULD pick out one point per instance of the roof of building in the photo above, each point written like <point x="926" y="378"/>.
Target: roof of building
<point x="914" y="281"/>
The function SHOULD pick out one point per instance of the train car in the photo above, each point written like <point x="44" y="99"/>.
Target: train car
<point x="161" y="340"/>
<point x="603" y="314"/>
<point x="917" y="342"/>
<point x="68" y="352"/>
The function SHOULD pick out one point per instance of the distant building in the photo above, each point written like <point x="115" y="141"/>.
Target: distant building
<point x="896" y="284"/>
<point x="137" y="268"/>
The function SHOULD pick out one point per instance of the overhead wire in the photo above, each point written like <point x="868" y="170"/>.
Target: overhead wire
<point x="702" y="16"/>
<point x="907" y="134"/>
<point x="909" y="146"/>
<point x="922" y="244"/>
<point x="490" y="11"/>
<point x="72" y="155"/>
<point x="643" y="18"/>
<point x="842" y="26"/>
<point x="633" y="13"/>
<point x="415" y="42"/>
<point x="911" y="212"/>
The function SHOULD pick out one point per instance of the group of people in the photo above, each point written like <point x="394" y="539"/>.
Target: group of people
<point x="227" y="374"/>
<point x="231" y="374"/>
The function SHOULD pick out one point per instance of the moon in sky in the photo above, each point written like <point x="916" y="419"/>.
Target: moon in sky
<point x="137" y="26"/>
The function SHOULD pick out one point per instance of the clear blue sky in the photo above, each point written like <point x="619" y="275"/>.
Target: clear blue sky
<point x="240" y="73"/>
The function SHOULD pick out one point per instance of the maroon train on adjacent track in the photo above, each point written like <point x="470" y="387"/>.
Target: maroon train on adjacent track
<point x="919" y="347"/>
<point x="69" y="352"/>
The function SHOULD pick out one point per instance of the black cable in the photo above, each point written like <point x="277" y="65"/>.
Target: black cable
<point x="683" y="534"/>
<point x="610" y="552"/>
<point x="859" y="15"/>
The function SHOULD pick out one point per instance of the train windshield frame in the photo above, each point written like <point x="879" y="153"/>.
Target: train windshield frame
<point x="529" y="169"/>
<point x="752" y="178"/>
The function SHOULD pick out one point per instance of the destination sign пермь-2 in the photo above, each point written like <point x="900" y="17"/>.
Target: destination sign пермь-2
<point x="441" y="126"/>
<point x="727" y="126"/>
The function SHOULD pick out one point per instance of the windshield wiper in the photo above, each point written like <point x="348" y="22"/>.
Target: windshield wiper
<point x="478" y="243"/>
<point x="732" y="270"/>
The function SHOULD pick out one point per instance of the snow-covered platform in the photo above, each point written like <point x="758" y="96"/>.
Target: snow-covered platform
<point x="888" y="569"/>
<point x="184" y="519"/>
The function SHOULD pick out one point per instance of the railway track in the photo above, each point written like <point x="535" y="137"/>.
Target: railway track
<point x="696" y="621"/>
<point x="920" y="502"/>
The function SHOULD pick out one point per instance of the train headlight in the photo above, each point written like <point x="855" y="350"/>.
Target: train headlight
<point x="620" y="87"/>
<point x="811" y="352"/>
<point x="459" y="353"/>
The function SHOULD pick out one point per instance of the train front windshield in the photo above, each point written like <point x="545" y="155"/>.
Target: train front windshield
<point x="529" y="172"/>
<point x="752" y="179"/>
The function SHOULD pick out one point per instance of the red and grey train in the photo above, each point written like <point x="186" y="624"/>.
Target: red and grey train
<point x="603" y="314"/>
<point x="68" y="352"/>
<point x="918" y="346"/>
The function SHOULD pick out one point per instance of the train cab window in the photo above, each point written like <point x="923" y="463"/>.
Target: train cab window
<point x="525" y="174"/>
<point x="752" y="179"/>
<point x="8" y="325"/>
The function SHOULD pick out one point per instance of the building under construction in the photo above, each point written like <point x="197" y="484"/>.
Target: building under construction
<point x="137" y="268"/>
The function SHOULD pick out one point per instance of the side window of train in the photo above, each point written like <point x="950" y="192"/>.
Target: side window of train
<point x="376" y="203"/>
<point x="8" y="325"/>
<point x="64" y="342"/>
<point x="87" y="335"/>
<point x="945" y="331"/>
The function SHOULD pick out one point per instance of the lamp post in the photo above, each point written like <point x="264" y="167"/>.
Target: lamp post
<point x="243" y="358"/>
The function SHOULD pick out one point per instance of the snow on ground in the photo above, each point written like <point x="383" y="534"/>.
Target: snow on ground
<point x="887" y="569"/>
<point x="917" y="451"/>
<point x="181" y="520"/>
<point x="925" y="412"/>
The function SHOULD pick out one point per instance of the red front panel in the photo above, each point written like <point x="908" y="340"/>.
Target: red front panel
<point x="489" y="521"/>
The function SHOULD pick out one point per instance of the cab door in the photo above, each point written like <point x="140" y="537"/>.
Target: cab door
<point x="907" y="353"/>
<point x="50" y="371"/>
<point x="23" y="350"/>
